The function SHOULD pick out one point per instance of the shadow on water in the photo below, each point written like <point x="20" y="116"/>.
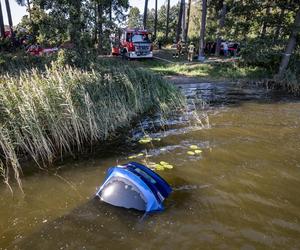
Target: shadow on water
<point x="95" y="221"/>
<point x="233" y="94"/>
<point x="100" y="224"/>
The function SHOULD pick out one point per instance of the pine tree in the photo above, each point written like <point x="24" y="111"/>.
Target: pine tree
<point x="290" y="45"/>
<point x="168" y="17"/>
<point x="145" y="14"/>
<point x="202" y="30"/>
<point x="2" y="30"/>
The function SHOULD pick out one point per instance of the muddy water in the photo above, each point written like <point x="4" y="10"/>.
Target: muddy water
<point x="241" y="192"/>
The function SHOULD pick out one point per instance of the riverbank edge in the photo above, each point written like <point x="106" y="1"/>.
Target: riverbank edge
<point x="222" y="70"/>
<point x="266" y="83"/>
<point x="155" y="94"/>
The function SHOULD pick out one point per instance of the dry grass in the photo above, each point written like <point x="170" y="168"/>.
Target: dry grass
<point x="45" y="114"/>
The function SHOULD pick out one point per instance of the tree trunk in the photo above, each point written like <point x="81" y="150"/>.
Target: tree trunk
<point x="265" y="22"/>
<point x="279" y="24"/>
<point x="183" y="21"/>
<point x="178" y="31"/>
<point x="75" y="22"/>
<point x="202" y="30"/>
<point x="290" y="46"/>
<point x="2" y="30"/>
<point x="110" y="11"/>
<point x="221" y="26"/>
<point x="145" y="14"/>
<point x="168" y="15"/>
<point x="29" y="9"/>
<point x="246" y="29"/>
<point x="9" y="17"/>
<point x="155" y="20"/>
<point x="100" y="28"/>
<point x="186" y="30"/>
<point x="95" y="21"/>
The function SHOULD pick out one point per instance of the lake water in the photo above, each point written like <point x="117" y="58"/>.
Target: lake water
<point x="241" y="192"/>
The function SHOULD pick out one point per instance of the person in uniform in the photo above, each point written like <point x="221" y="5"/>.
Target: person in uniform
<point x="178" y="49"/>
<point x="174" y="48"/>
<point x="191" y="51"/>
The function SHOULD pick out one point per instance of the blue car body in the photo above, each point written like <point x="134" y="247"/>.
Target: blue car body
<point x="133" y="185"/>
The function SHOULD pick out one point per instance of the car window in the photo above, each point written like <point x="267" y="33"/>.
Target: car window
<point x="136" y="38"/>
<point x="144" y="174"/>
<point x="123" y="193"/>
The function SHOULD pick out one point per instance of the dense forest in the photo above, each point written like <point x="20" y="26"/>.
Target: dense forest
<point x="267" y="31"/>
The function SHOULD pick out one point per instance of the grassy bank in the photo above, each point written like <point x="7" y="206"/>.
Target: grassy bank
<point x="229" y="69"/>
<point x="213" y="71"/>
<point x="45" y="114"/>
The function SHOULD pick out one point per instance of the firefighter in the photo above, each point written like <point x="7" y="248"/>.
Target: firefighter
<point x="183" y="48"/>
<point x="191" y="51"/>
<point x="174" y="46"/>
<point x="178" y="49"/>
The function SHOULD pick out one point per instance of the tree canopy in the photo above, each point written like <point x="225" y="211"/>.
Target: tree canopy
<point x="262" y="28"/>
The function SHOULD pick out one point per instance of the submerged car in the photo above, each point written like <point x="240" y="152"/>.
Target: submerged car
<point x="133" y="185"/>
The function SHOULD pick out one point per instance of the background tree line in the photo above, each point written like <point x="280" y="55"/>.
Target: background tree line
<point x="268" y="31"/>
<point x="83" y="23"/>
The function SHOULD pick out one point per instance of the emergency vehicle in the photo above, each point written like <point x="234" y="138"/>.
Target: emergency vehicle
<point x="136" y="43"/>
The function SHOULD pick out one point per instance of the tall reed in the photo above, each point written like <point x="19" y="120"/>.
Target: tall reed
<point x="45" y="114"/>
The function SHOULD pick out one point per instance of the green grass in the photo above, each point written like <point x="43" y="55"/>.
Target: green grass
<point x="225" y="69"/>
<point x="214" y="71"/>
<point x="45" y="114"/>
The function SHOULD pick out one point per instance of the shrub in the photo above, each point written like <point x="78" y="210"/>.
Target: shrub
<point x="288" y="81"/>
<point x="82" y="58"/>
<point x="6" y="44"/>
<point x="19" y="61"/>
<point x="263" y="53"/>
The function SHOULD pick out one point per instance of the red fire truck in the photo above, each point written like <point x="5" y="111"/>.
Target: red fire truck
<point x="135" y="43"/>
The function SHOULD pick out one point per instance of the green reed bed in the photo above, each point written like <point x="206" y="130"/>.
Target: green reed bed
<point x="45" y="114"/>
